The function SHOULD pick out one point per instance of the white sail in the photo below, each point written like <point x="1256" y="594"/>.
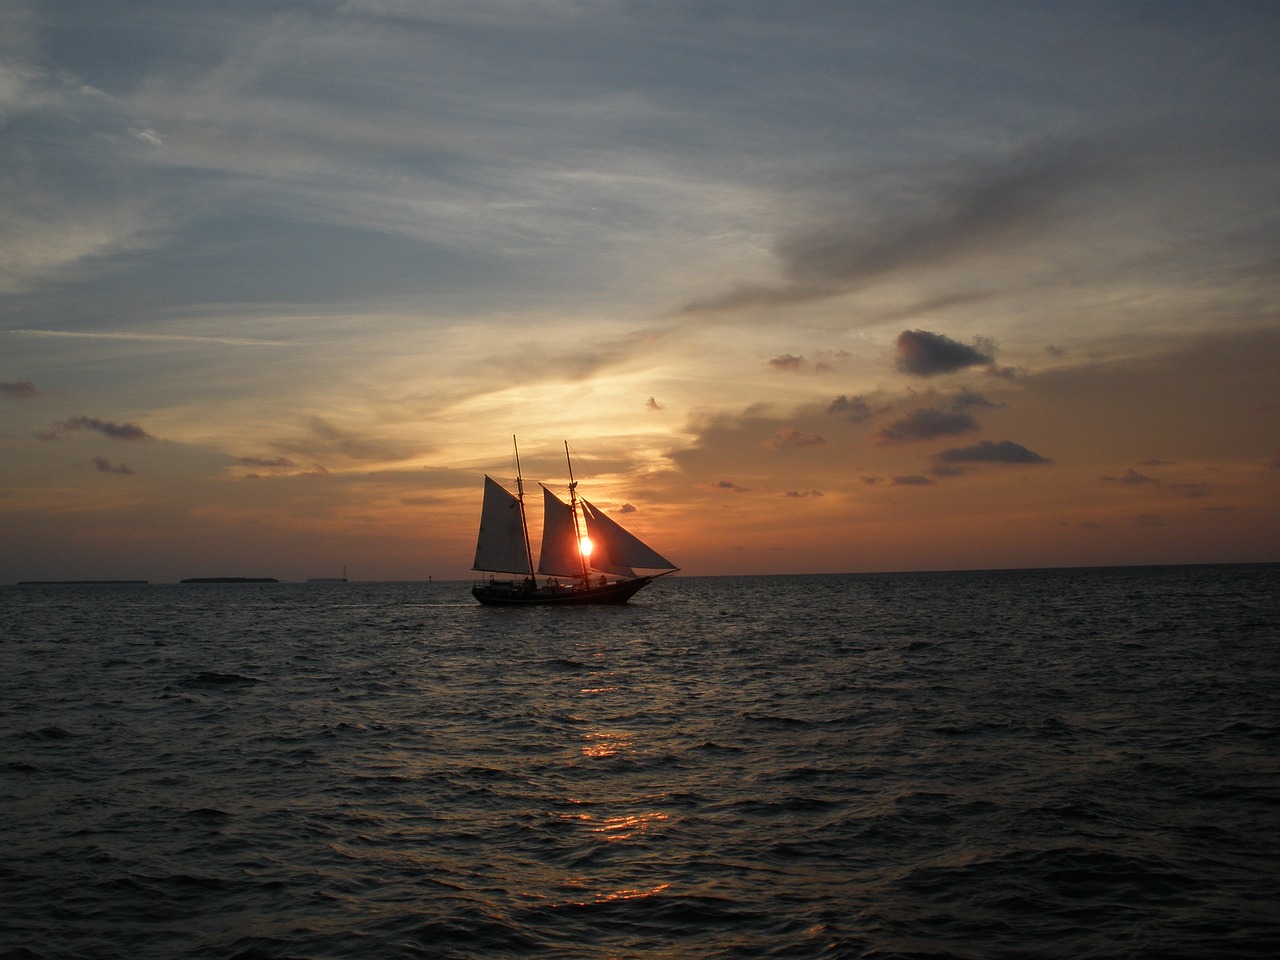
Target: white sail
<point x="560" y="555"/>
<point x="616" y="550"/>
<point x="501" y="545"/>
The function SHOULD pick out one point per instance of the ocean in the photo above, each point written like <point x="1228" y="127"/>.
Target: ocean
<point x="1052" y="763"/>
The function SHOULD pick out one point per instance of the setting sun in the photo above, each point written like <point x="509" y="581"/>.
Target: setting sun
<point x="584" y="546"/>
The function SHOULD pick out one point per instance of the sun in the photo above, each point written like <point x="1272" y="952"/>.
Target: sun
<point x="585" y="546"/>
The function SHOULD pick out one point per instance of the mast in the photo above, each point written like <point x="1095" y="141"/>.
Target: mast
<point x="573" y="509"/>
<point x="528" y="551"/>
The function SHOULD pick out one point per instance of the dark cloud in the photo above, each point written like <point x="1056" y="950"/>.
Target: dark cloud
<point x="987" y="451"/>
<point x="792" y="438"/>
<point x="653" y="404"/>
<point x="914" y="480"/>
<point x="855" y="408"/>
<point x="116" y="431"/>
<point x="926" y="354"/>
<point x="277" y="463"/>
<point x="801" y="494"/>
<point x="626" y="508"/>
<point x="787" y="362"/>
<point x="105" y="466"/>
<point x="22" y="390"/>
<point x="927" y="423"/>
<point x="730" y="485"/>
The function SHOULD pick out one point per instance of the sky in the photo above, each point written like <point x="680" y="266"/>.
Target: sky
<point x="814" y="286"/>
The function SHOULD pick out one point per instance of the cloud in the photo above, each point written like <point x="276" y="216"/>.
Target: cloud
<point x="105" y="466"/>
<point x="987" y="451"/>
<point x="914" y="480"/>
<point x="22" y="390"/>
<point x="793" y="438"/>
<point x="967" y="399"/>
<point x="992" y="207"/>
<point x="730" y="485"/>
<point x="855" y="408"/>
<point x="322" y="440"/>
<point x="116" y="431"/>
<point x="787" y="362"/>
<point x="927" y="423"/>
<point x="926" y="354"/>
<point x="182" y="338"/>
<point x="275" y="463"/>
<point x="802" y="494"/>
<point x="1131" y="477"/>
<point x="653" y="404"/>
<point x="626" y="508"/>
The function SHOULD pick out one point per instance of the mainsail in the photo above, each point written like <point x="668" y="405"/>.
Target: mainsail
<point x="561" y="556"/>
<point x="501" y="545"/>
<point x="615" y="549"/>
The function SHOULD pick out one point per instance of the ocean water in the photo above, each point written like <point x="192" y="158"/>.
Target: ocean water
<point x="1070" y="763"/>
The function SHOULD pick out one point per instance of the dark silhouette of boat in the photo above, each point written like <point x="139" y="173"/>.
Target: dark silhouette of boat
<point x="596" y="567"/>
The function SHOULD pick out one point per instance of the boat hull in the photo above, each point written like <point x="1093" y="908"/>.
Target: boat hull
<point x="508" y="593"/>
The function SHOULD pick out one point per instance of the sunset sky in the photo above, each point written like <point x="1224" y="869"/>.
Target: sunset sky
<point x="807" y="287"/>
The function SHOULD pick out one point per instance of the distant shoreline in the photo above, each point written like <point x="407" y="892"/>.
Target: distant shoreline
<point x="230" y="580"/>
<point x="78" y="583"/>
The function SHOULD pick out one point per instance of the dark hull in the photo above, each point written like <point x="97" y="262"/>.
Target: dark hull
<point x="510" y="594"/>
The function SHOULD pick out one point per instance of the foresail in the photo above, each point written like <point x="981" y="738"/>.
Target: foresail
<point x="560" y="556"/>
<point x="622" y="549"/>
<point x="501" y="545"/>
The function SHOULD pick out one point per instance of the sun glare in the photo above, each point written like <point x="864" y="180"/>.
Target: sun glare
<point x="584" y="546"/>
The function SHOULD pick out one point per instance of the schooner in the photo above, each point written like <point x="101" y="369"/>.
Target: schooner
<point x="586" y="557"/>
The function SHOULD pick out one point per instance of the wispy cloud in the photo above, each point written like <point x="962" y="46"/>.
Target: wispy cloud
<point x="1130" y="477"/>
<point x="106" y="466"/>
<point x="153" y="337"/>
<point x="854" y="408"/>
<point x="108" y="428"/>
<point x="794" y="438"/>
<point x="21" y="390"/>
<point x="927" y="423"/>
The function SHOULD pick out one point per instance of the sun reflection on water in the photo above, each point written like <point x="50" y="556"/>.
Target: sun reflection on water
<point x="607" y="743"/>
<point x="584" y="884"/>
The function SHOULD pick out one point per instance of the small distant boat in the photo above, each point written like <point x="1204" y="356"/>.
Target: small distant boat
<point x="585" y="558"/>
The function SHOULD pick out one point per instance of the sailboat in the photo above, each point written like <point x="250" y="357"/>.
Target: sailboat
<point x="598" y="566"/>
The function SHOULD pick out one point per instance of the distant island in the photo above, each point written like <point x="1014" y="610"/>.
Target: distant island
<point x="230" y="580"/>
